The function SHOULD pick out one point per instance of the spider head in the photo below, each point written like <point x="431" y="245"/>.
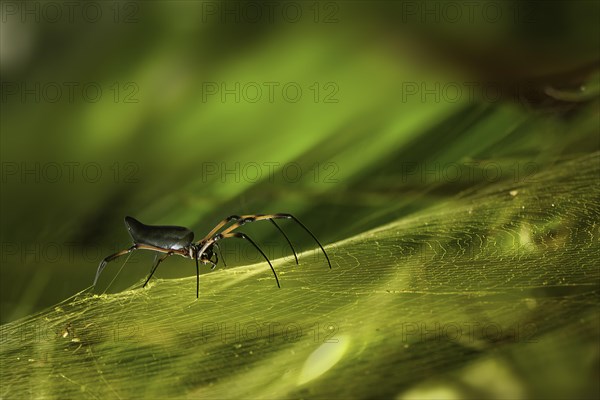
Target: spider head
<point x="194" y="249"/>
<point x="208" y="253"/>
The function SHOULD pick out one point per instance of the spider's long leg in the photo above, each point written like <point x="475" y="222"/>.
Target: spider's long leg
<point x="110" y="258"/>
<point x="220" y="225"/>
<point x="241" y="221"/>
<point x="290" y="216"/>
<point x="158" y="261"/>
<point x="244" y="219"/>
<point x="286" y="238"/>
<point x="251" y="218"/>
<point x="244" y="236"/>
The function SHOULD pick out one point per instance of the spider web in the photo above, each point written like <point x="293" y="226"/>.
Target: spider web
<point x="494" y="294"/>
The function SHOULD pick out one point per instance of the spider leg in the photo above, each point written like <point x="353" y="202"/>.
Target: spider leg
<point x="259" y="217"/>
<point x="253" y="218"/>
<point x="198" y="273"/>
<point x="290" y="216"/>
<point x="224" y="222"/>
<point x="197" y="278"/>
<point x="110" y="258"/>
<point x="157" y="262"/>
<point x="244" y="236"/>
<point x="241" y="221"/>
<point x="286" y="238"/>
<point x="136" y="246"/>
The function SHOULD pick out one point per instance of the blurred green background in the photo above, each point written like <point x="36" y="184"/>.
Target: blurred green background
<point x="350" y="115"/>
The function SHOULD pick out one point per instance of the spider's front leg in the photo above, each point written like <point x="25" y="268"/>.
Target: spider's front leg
<point x="220" y="225"/>
<point x="244" y="219"/>
<point x="272" y="217"/>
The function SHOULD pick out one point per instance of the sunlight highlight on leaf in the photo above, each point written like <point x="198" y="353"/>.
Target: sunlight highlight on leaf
<point x="325" y="357"/>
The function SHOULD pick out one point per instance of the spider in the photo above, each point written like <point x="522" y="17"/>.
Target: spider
<point x="178" y="240"/>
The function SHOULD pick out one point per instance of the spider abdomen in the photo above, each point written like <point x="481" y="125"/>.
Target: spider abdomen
<point x="166" y="237"/>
